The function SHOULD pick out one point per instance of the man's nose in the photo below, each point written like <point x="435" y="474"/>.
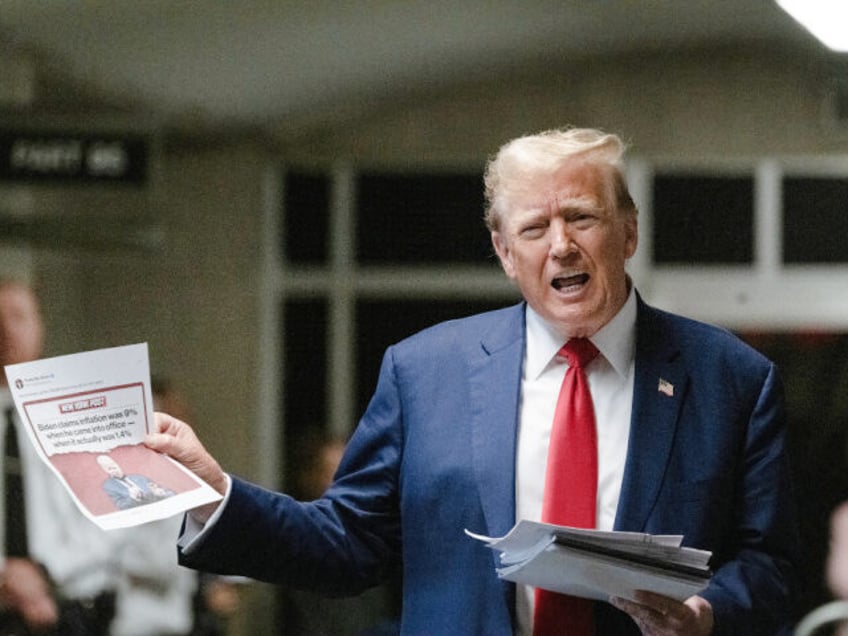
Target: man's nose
<point x="561" y="239"/>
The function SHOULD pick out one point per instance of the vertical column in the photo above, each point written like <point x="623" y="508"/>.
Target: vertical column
<point x="341" y="373"/>
<point x="270" y="417"/>
<point x="768" y="220"/>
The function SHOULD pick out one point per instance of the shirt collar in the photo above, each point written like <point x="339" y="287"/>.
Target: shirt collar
<point x="616" y="340"/>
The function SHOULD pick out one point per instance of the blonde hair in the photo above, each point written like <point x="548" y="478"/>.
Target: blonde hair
<point x="523" y="164"/>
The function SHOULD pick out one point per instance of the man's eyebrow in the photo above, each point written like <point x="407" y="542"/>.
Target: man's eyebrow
<point x="580" y="206"/>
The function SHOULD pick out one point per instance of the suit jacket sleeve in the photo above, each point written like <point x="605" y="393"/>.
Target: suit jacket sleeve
<point x="338" y="545"/>
<point x="754" y="587"/>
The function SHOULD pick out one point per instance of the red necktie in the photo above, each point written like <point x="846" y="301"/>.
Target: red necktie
<point x="571" y="486"/>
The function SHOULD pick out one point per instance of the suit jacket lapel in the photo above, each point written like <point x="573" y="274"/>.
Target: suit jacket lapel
<point x="659" y="389"/>
<point x="495" y="385"/>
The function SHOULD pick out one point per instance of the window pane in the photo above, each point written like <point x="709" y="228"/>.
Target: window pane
<point x="380" y="323"/>
<point x="815" y="220"/>
<point x="432" y="218"/>
<point x="307" y="218"/>
<point x="703" y="220"/>
<point x="304" y="374"/>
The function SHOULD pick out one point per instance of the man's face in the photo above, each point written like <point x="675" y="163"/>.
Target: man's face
<point x="565" y="246"/>
<point x="20" y="325"/>
<point x="112" y="468"/>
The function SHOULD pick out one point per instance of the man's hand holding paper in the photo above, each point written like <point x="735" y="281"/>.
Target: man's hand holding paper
<point x="176" y="439"/>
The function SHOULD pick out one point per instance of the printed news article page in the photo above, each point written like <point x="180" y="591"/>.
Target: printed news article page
<point x="86" y="415"/>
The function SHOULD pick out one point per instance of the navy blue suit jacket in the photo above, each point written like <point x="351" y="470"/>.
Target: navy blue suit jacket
<point x="434" y="454"/>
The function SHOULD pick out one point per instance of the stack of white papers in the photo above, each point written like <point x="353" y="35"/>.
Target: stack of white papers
<point x="596" y="564"/>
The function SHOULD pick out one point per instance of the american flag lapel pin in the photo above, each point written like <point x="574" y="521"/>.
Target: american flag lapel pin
<point x="666" y="388"/>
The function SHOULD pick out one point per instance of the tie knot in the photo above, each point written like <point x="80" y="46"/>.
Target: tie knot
<point x="579" y="352"/>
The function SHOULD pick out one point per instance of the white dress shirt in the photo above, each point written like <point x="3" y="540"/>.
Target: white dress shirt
<point x="610" y="378"/>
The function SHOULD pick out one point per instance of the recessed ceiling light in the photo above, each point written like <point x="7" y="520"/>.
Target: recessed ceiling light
<point x="825" y="19"/>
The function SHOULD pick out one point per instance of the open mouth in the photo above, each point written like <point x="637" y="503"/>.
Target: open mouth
<point x="561" y="283"/>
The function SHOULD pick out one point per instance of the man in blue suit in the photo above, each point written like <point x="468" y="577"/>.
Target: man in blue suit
<point x="690" y="434"/>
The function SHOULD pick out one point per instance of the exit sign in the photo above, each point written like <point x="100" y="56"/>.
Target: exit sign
<point x="56" y="157"/>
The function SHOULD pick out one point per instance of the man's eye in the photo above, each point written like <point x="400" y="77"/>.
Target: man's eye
<point x="533" y="231"/>
<point x="583" y="219"/>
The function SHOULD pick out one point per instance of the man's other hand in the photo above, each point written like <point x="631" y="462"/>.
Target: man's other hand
<point x="658" y="615"/>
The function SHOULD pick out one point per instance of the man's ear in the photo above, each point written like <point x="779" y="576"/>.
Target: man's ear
<point x="503" y="252"/>
<point x="631" y="229"/>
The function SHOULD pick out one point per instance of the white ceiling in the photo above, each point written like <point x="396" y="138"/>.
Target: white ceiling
<point x="257" y="62"/>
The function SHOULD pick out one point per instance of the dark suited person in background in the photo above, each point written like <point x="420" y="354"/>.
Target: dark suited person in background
<point x="683" y="434"/>
<point x="27" y="604"/>
<point x="57" y="578"/>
